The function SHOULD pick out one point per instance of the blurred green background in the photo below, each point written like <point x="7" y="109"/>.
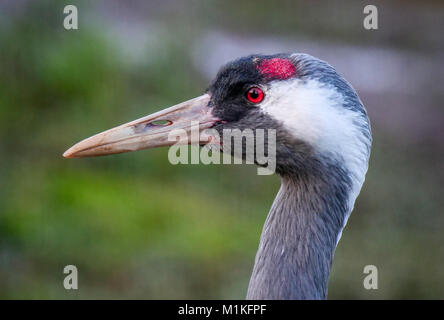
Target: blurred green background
<point x="138" y="227"/>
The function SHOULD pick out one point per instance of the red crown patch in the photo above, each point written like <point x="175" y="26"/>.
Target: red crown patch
<point x="277" y="68"/>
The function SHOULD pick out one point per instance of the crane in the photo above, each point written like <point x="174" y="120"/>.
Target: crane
<point x="323" y="142"/>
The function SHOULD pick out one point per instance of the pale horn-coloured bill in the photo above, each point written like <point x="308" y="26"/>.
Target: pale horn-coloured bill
<point x="150" y="131"/>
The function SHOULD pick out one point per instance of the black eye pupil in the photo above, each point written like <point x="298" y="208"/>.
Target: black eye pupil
<point x="254" y="93"/>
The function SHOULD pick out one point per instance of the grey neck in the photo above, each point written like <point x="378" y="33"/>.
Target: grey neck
<point x="299" y="238"/>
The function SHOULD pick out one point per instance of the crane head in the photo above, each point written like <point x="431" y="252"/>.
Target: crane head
<point x="315" y="113"/>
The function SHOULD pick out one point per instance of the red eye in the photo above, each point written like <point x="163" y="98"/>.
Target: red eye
<point x="255" y="95"/>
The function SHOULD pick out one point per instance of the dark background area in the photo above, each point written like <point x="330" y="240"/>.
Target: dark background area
<point x="138" y="227"/>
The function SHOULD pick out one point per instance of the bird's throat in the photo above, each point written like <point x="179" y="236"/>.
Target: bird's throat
<point x="299" y="238"/>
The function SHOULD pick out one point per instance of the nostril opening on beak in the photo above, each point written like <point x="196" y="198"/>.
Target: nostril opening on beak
<point x="140" y="128"/>
<point x="158" y="123"/>
<point x="162" y="123"/>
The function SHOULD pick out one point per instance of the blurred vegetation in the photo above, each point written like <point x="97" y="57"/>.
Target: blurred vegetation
<point x="139" y="227"/>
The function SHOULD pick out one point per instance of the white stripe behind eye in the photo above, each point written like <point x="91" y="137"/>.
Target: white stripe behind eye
<point x="313" y="112"/>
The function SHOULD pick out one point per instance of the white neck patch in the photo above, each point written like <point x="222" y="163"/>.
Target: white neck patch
<point x="313" y="112"/>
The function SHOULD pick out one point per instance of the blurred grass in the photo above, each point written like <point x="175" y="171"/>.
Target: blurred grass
<point x="107" y="216"/>
<point x="138" y="227"/>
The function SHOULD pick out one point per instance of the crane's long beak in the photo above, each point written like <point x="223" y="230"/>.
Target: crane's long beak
<point x="150" y="131"/>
